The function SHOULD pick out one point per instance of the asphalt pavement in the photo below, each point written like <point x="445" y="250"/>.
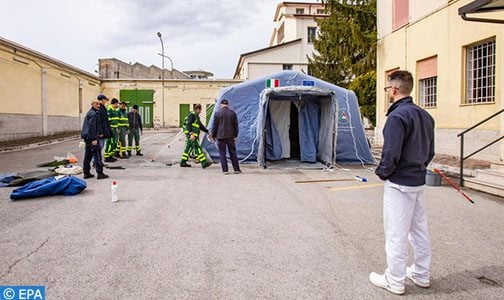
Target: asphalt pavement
<point x="189" y="233"/>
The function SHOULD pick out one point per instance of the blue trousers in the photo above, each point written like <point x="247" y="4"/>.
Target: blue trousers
<point x="102" y="146"/>
<point x="92" y="152"/>
<point x="222" y="144"/>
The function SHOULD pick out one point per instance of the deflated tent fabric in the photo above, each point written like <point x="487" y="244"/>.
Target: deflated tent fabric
<point x="21" y="178"/>
<point x="264" y="110"/>
<point x="67" y="186"/>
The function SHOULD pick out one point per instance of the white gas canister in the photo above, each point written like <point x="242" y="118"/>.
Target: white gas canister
<point x="113" y="191"/>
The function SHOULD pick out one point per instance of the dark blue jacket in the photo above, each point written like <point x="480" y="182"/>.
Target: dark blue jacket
<point x="91" y="127"/>
<point x="408" y="145"/>
<point x="225" y="124"/>
<point x="105" y="128"/>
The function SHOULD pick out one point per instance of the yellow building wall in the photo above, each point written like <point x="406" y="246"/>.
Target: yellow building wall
<point x="90" y="91"/>
<point x="25" y="75"/>
<point x="20" y="84"/>
<point x="176" y="92"/>
<point x="445" y="34"/>
<point x="62" y="94"/>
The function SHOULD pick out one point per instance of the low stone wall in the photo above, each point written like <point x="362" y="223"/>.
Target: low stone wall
<point x="22" y="126"/>
<point x="58" y="124"/>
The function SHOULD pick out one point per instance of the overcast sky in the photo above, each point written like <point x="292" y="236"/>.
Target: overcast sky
<point x="198" y="34"/>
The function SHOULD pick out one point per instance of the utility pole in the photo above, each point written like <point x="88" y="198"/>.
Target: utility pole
<point x="162" y="76"/>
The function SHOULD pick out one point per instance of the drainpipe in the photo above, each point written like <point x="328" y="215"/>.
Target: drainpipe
<point x="81" y="85"/>
<point x="44" y="102"/>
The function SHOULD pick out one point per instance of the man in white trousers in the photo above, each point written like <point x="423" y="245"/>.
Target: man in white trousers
<point x="408" y="148"/>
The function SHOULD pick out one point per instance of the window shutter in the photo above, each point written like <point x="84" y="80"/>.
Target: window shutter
<point x="427" y="68"/>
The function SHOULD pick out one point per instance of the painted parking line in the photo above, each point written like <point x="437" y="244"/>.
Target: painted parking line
<point x="354" y="187"/>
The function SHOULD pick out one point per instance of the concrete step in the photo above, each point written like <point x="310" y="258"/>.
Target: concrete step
<point x="489" y="175"/>
<point x="499" y="166"/>
<point x="494" y="188"/>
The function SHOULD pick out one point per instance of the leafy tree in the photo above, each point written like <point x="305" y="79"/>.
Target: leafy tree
<point x="346" y="46"/>
<point x="365" y="89"/>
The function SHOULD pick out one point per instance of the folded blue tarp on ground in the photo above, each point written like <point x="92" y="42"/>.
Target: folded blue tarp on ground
<point x="67" y="186"/>
<point x="6" y="178"/>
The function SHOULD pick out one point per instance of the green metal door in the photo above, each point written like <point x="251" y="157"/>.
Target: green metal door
<point x="144" y="100"/>
<point x="184" y="110"/>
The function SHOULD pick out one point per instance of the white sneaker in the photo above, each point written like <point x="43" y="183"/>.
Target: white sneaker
<point x="381" y="281"/>
<point x="423" y="283"/>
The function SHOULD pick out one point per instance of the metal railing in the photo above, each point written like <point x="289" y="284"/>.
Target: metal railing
<point x="461" y="135"/>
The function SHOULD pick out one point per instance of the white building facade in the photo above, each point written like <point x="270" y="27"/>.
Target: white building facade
<point x="291" y="42"/>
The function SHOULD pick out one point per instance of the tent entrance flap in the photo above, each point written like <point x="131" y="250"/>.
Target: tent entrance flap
<point x="299" y="124"/>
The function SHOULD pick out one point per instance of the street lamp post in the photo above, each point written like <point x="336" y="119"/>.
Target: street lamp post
<point x="171" y="63"/>
<point x="162" y="76"/>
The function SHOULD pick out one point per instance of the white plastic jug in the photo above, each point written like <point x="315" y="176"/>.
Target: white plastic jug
<point x="113" y="191"/>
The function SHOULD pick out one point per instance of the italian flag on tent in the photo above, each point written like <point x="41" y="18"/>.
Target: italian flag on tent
<point x="272" y="83"/>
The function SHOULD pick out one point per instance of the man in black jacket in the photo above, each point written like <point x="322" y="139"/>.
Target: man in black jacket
<point x="408" y="149"/>
<point x="91" y="131"/>
<point x="225" y="131"/>
<point x="105" y="129"/>
<point x="135" y="128"/>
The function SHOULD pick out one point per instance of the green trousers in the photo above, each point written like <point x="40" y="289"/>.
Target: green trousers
<point x="121" y="146"/>
<point x="193" y="145"/>
<point x="134" y="133"/>
<point x="111" y="144"/>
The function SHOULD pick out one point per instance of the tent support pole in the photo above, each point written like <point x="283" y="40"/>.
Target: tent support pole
<point x="335" y="130"/>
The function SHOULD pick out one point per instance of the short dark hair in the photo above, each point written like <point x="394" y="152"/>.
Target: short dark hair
<point x="114" y="101"/>
<point x="403" y="81"/>
<point x="197" y="106"/>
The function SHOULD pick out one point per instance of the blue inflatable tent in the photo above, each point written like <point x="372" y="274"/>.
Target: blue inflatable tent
<point x="302" y="118"/>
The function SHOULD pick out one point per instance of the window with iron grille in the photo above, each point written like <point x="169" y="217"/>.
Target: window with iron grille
<point x="299" y="11"/>
<point x="312" y="33"/>
<point x="480" y="72"/>
<point x="428" y="92"/>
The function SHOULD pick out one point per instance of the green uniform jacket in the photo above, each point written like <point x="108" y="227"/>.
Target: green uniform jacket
<point x="193" y="125"/>
<point x="123" y="119"/>
<point x="113" y="116"/>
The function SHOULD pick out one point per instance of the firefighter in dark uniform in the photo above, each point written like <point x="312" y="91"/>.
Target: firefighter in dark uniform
<point x="192" y="129"/>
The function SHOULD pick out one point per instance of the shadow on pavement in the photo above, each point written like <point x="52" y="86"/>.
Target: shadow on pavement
<point x="468" y="280"/>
